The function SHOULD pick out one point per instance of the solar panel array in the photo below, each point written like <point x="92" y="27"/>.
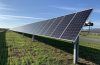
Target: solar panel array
<point x="65" y="27"/>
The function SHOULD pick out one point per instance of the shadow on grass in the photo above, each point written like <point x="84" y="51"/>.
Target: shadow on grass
<point x="87" y="53"/>
<point x="24" y="34"/>
<point x="90" y="54"/>
<point x="3" y="49"/>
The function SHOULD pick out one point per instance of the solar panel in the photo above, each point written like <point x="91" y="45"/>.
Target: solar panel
<point x="53" y="26"/>
<point x="17" y="29"/>
<point x="73" y="29"/>
<point x="46" y="26"/>
<point x="60" y="28"/>
<point x="64" y="27"/>
<point x="28" y="28"/>
<point x="25" y="28"/>
<point x="49" y="26"/>
<point x="40" y="26"/>
<point x="35" y="27"/>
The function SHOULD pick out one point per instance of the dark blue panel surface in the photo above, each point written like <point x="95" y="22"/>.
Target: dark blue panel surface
<point x="44" y="29"/>
<point x="40" y="27"/>
<point x="72" y="31"/>
<point x="53" y="26"/>
<point x="60" y="28"/>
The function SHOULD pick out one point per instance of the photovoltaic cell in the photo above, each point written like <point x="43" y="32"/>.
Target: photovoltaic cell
<point x="73" y="29"/>
<point x="46" y="26"/>
<point x="28" y="28"/>
<point x="60" y="28"/>
<point x="40" y="26"/>
<point x="19" y="29"/>
<point x="25" y="28"/>
<point x="49" y="26"/>
<point x="35" y="27"/>
<point x="53" y="26"/>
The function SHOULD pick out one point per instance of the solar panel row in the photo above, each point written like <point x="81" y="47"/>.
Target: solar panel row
<point x="64" y="27"/>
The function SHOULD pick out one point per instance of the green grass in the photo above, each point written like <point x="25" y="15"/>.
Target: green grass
<point x="90" y="52"/>
<point x="90" y="35"/>
<point x="16" y="49"/>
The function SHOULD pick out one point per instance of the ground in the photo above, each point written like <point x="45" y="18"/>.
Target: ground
<point x="18" y="49"/>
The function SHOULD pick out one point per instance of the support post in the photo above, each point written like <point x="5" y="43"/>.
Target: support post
<point x="89" y="30"/>
<point x="33" y="39"/>
<point x="23" y="34"/>
<point x="76" y="51"/>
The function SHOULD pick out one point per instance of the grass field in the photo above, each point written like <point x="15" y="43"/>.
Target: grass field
<point x="16" y="49"/>
<point x="91" y="35"/>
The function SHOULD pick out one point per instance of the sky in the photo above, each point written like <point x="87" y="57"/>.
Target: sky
<point x="14" y="13"/>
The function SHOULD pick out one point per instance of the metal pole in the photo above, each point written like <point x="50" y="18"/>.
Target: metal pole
<point x="33" y="38"/>
<point x="76" y="51"/>
<point x="23" y="34"/>
<point x="89" y="30"/>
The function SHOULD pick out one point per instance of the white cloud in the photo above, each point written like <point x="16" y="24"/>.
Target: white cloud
<point x="96" y="24"/>
<point x="2" y="4"/>
<point x="10" y="21"/>
<point x="13" y="17"/>
<point x="4" y="7"/>
<point x="96" y="10"/>
<point x="67" y="8"/>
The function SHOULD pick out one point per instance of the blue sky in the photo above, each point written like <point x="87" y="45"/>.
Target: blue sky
<point x="14" y="13"/>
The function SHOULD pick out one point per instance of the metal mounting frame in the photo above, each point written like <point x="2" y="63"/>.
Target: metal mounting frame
<point x="76" y="51"/>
